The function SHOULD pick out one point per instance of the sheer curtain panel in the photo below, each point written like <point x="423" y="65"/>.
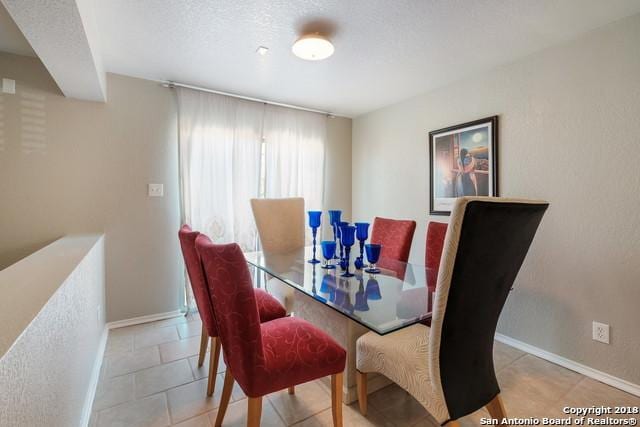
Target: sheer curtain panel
<point x="220" y="141"/>
<point x="227" y="144"/>
<point x="294" y="155"/>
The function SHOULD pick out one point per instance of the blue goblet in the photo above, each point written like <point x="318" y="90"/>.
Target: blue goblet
<point x="361" y="302"/>
<point x="314" y="223"/>
<point x="347" y="237"/>
<point x="373" y="255"/>
<point x="328" y="252"/>
<point x="339" y="227"/>
<point x="334" y="219"/>
<point x="373" y="289"/>
<point x="362" y="234"/>
<point x="361" y="297"/>
<point x="327" y="283"/>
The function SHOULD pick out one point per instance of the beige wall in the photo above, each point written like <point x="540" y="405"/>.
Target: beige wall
<point x="337" y="193"/>
<point x="570" y="134"/>
<point x="93" y="175"/>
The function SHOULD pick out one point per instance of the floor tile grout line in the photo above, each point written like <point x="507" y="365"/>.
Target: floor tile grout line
<point x="512" y="362"/>
<point x="166" y="402"/>
<point x="131" y="401"/>
<point x="274" y="410"/>
<point x="573" y="387"/>
<point x="136" y="371"/>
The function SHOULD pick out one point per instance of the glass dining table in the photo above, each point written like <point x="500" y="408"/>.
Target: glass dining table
<point x="399" y="296"/>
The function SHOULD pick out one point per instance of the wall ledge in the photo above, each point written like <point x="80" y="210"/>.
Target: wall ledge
<point x="28" y="285"/>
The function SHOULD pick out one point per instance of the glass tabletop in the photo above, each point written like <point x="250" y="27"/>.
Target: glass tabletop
<point x="399" y="296"/>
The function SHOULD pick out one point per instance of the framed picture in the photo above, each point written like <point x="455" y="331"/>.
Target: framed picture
<point x="464" y="162"/>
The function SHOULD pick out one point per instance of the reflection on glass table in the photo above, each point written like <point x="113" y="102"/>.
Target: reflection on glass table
<point x="399" y="296"/>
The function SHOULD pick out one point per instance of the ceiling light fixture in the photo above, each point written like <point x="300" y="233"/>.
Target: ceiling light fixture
<point x="313" y="47"/>
<point x="262" y="50"/>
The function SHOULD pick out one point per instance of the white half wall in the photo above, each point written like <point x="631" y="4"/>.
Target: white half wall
<point x="48" y="369"/>
<point x="569" y="133"/>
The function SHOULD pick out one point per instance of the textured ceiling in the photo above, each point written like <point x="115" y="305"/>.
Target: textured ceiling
<point x="386" y="50"/>
<point x="62" y="34"/>
<point x="11" y="39"/>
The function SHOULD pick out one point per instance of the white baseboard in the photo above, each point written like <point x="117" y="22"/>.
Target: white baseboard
<point x="144" y="319"/>
<point x="603" y="377"/>
<point x="95" y="377"/>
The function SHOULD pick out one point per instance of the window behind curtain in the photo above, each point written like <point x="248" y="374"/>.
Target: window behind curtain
<point x="232" y="150"/>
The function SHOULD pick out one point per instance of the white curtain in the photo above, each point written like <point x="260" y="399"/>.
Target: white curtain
<point x="221" y="147"/>
<point x="294" y="155"/>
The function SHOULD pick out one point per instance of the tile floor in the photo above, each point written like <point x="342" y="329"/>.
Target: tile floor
<point x="150" y="378"/>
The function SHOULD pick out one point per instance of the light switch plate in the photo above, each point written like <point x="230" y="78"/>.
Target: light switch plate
<point x="156" y="190"/>
<point x="8" y="86"/>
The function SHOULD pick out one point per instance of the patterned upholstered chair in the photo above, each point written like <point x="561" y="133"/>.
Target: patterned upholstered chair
<point x="280" y="224"/>
<point x="270" y="308"/>
<point x="436" y="232"/>
<point x="263" y="358"/>
<point x="395" y="236"/>
<point x="412" y="301"/>
<point x="448" y="367"/>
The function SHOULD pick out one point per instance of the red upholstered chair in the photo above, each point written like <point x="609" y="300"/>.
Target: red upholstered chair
<point x="412" y="301"/>
<point x="270" y="308"/>
<point x="436" y="231"/>
<point x="395" y="236"/>
<point x="263" y="358"/>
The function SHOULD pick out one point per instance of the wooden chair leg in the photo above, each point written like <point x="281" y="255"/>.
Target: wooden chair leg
<point x="214" y="357"/>
<point x="361" y="382"/>
<point x="336" y="399"/>
<point x="255" y="412"/>
<point x="292" y="389"/>
<point x="204" y="341"/>
<point x="496" y="408"/>
<point x="226" y="396"/>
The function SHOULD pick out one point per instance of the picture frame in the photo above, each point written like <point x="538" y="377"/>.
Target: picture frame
<point x="463" y="161"/>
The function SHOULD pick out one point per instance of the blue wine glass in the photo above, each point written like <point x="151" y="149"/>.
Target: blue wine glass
<point x="347" y="237"/>
<point x="373" y="289"/>
<point x="362" y="234"/>
<point x="373" y="255"/>
<point x="339" y="227"/>
<point x="314" y="223"/>
<point x="361" y="297"/>
<point x="328" y="252"/>
<point x="334" y="219"/>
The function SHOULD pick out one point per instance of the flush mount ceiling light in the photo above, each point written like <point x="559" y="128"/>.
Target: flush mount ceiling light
<point x="262" y="50"/>
<point x="313" y="47"/>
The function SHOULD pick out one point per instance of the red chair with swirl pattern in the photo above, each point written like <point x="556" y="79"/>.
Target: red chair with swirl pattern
<point x="270" y="308"/>
<point x="395" y="236"/>
<point x="263" y="358"/>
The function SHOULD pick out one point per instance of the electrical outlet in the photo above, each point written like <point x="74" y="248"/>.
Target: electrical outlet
<point x="601" y="332"/>
<point x="8" y="86"/>
<point x="156" y="190"/>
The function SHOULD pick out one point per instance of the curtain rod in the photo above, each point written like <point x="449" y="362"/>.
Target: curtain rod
<point x="169" y="84"/>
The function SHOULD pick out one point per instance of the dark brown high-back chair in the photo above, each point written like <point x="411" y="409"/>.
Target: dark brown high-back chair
<point x="448" y="367"/>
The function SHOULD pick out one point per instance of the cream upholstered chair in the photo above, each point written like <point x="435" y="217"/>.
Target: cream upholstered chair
<point x="280" y="224"/>
<point x="448" y="367"/>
